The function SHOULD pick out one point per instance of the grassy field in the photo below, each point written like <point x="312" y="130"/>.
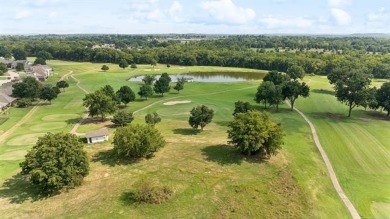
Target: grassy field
<point x="358" y="147"/>
<point x="209" y="178"/>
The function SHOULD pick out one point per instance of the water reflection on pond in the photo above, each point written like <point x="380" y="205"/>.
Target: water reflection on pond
<point x="212" y="76"/>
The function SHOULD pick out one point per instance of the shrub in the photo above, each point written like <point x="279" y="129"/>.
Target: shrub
<point x="146" y="191"/>
<point x="137" y="141"/>
<point x="23" y="103"/>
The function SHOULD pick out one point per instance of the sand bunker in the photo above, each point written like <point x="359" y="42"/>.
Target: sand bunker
<point x="171" y="103"/>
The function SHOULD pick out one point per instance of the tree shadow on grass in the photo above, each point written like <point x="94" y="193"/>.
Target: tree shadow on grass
<point x="109" y="158"/>
<point x="73" y="121"/>
<point x="322" y="91"/>
<point x="127" y="198"/>
<point x="18" y="190"/>
<point x="186" y="131"/>
<point x="222" y="154"/>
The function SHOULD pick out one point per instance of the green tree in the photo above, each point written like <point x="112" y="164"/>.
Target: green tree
<point x="19" y="67"/>
<point x="40" y="61"/>
<point x="133" y="66"/>
<point x="137" y="141"/>
<point x="241" y="107"/>
<point x="122" y="118"/>
<point x="153" y="62"/>
<point x="254" y="133"/>
<point x="105" y="68"/>
<point x="44" y="55"/>
<point x="162" y="85"/>
<point x="276" y="77"/>
<point x="56" y="90"/>
<point x="152" y="118"/>
<point x="123" y="64"/>
<point x="200" y="116"/>
<point x="295" y="72"/>
<point x="109" y="91"/>
<point x="3" y="68"/>
<point x="178" y="86"/>
<point x="47" y="93"/>
<point x="351" y="88"/>
<point x="62" y="84"/>
<point x="125" y="94"/>
<point x="145" y="91"/>
<point x="277" y="96"/>
<point x="383" y="97"/>
<point x="19" y="54"/>
<point x="98" y="103"/>
<point x="28" y="88"/>
<point x="265" y="93"/>
<point x="149" y="79"/>
<point x="23" y="103"/>
<point x="56" y="161"/>
<point x="293" y="89"/>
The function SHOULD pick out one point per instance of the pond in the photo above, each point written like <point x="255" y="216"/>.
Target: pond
<point x="212" y="77"/>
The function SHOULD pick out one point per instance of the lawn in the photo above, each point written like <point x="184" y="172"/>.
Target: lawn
<point x="209" y="178"/>
<point x="358" y="147"/>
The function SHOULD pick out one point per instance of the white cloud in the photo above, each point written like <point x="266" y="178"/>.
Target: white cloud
<point x="341" y="16"/>
<point x="273" y="22"/>
<point x="22" y="14"/>
<point x="53" y="14"/>
<point x="227" y="11"/>
<point x="379" y="16"/>
<point x="175" y="10"/>
<point x="339" y="3"/>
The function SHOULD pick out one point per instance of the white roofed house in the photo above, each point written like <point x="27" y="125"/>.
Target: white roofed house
<point x="97" y="136"/>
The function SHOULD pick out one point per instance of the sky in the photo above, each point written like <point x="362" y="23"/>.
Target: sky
<point x="194" y="16"/>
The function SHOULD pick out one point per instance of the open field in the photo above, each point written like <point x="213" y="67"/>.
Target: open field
<point x="210" y="179"/>
<point x="358" y="147"/>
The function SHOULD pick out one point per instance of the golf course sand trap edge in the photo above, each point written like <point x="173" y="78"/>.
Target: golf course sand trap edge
<point x="171" y="103"/>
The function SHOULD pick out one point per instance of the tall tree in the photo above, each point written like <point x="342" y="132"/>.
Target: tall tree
<point x="98" y="103"/>
<point x="109" y="91"/>
<point x="44" y="55"/>
<point x="162" y="85"/>
<point x="145" y="91"/>
<point x="56" y="161"/>
<point x="265" y="92"/>
<point x="28" y="88"/>
<point x="123" y="64"/>
<point x="293" y="89"/>
<point x="276" y="77"/>
<point x="40" y="61"/>
<point x="149" y="79"/>
<point x="200" y="116"/>
<point x="125" y="94"/>
<point x="19" y="67"/>
<point x="383" y="97"/>
<point x="277" y="96"/>
<point x="19" y="54"/>
<point x="254" y="133"/>
<point x="48" y="93"/>
<point x="351" y="88"/>
<point x="295" y="72"/>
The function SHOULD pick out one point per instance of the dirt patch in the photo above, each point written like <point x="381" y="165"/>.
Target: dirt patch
<point x="171" y="103"/>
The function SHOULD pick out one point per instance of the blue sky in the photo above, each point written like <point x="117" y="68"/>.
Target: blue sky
<point x="195" y="16"/>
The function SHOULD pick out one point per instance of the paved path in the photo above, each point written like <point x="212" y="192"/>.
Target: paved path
<point x="76" y="126"/>
<point x="335" y="182"/>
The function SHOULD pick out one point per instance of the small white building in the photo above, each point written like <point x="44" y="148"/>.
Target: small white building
<point x="97" y="136"/>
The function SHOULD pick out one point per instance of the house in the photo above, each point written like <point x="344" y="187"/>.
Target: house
<point x="41" y="72"/>
<point x="26" y="64"/>
<point x="6" y="99"/>
<point x="97" y="136"/>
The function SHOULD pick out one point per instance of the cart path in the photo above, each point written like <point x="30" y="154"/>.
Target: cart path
<point x="76" y="126"/>
<point x="352" y="210"/>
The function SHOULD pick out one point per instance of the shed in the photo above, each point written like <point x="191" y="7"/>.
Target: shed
<point x="97" y="136"/>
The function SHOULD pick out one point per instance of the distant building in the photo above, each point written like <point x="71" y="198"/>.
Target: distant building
<point x="97" y="136"/>
<point x="6" y="99"/>
<point x="41" y="72"/>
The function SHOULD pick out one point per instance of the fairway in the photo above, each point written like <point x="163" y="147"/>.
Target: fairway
<point x="210" y="179"/>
